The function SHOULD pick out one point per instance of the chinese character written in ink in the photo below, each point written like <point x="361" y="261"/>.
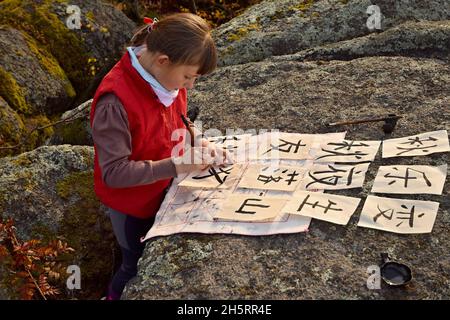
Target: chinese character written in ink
<point x="405" y="215"/>
<point x="213" y="172"/>
<point x="316" y="204"/>
<point x="228" y="146"/>
<point x="288" y="145"/>
<point x="266" y="178"/>
<point x="346" y="145"/>
<point x="240" y="210"/>
<point x="407" y="177"/>
<point x="416" y="144"/>
<point x="332" y="178"/>
<point x="224" y="139"/>
<point x="383" y="213"/>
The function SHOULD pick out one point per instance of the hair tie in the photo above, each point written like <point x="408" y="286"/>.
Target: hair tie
<point x="151" y="23"/>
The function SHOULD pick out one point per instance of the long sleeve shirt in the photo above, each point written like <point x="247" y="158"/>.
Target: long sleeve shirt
<point x="110" y="131"/>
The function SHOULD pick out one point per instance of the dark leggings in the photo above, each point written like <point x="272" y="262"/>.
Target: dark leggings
<point x="128" y="231"/>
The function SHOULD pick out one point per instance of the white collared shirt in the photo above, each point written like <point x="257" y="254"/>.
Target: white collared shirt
<point x="165" y="96"/>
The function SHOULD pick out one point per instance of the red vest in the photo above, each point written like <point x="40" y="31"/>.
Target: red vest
<point x="151" y="125"/>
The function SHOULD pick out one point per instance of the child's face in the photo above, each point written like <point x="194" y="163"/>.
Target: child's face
<point x="171" y="76"/>
<point x="179" y="76"/>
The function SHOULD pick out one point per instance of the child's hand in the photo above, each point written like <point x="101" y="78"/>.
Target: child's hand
<point x="193" y="159"/>
<point x="221" y="156"/>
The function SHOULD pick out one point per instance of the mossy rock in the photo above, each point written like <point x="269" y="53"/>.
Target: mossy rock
<point x="37" y="137"/>
<point x="88" y="230"/>
<point x="74" y="133"/>
<point x="51" y="34"/>
<point x="44" y="64"/>
<point x="32" y="80"/>
<point x="75" y="129"/>
<point x="19" y="133"/>
<point x="242" y="32"/>
<point x="40" y="23"/>
<point x="11" y="128"/>
<point x="53" y="198"/>
<point x="12" y="92"/>
<point x="103" y="32"/>
<point x="304" y="5"/>
<point x="33" y="85"/>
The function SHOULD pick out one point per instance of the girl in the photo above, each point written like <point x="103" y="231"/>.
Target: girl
<point x="135" y="109"/>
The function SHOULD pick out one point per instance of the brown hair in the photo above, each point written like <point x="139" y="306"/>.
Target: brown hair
<point x="184" y="37"/>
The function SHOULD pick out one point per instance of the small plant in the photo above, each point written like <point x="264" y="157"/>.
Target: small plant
<point x="33" y="268"/>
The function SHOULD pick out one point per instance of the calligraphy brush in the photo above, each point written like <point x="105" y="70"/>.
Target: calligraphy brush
<point x="191" y="132"/>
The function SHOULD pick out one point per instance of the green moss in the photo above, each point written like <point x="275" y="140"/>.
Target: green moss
<point x="73" y="133"/>
<point x="81" y="182"/>
<point x="304" y="5"/>
<point x="13" y="93"/>
<point x="196" y="251"/>
<point x="37" y="137"/>
<point x="11" y="128"/>
<point x="277" y="15"/>
<point x="241" y="32"/>
<point x="90" y="16"/>
<point x="229" y="50"/>
<point x="88" y="231"/>
<point x="50" y="64"/>
<point x="22" y="161"/>
<point x="28" y="138"/>
<point x="26" y="179"/>
<point x="42" y="232"/>
<point x="51" y="33"/>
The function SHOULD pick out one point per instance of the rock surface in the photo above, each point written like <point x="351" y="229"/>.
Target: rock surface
<point x="273" y="28"/>
<point x="330" y="261"/>
<point x="416" y="39"/>
<point x="318" y="71"/>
